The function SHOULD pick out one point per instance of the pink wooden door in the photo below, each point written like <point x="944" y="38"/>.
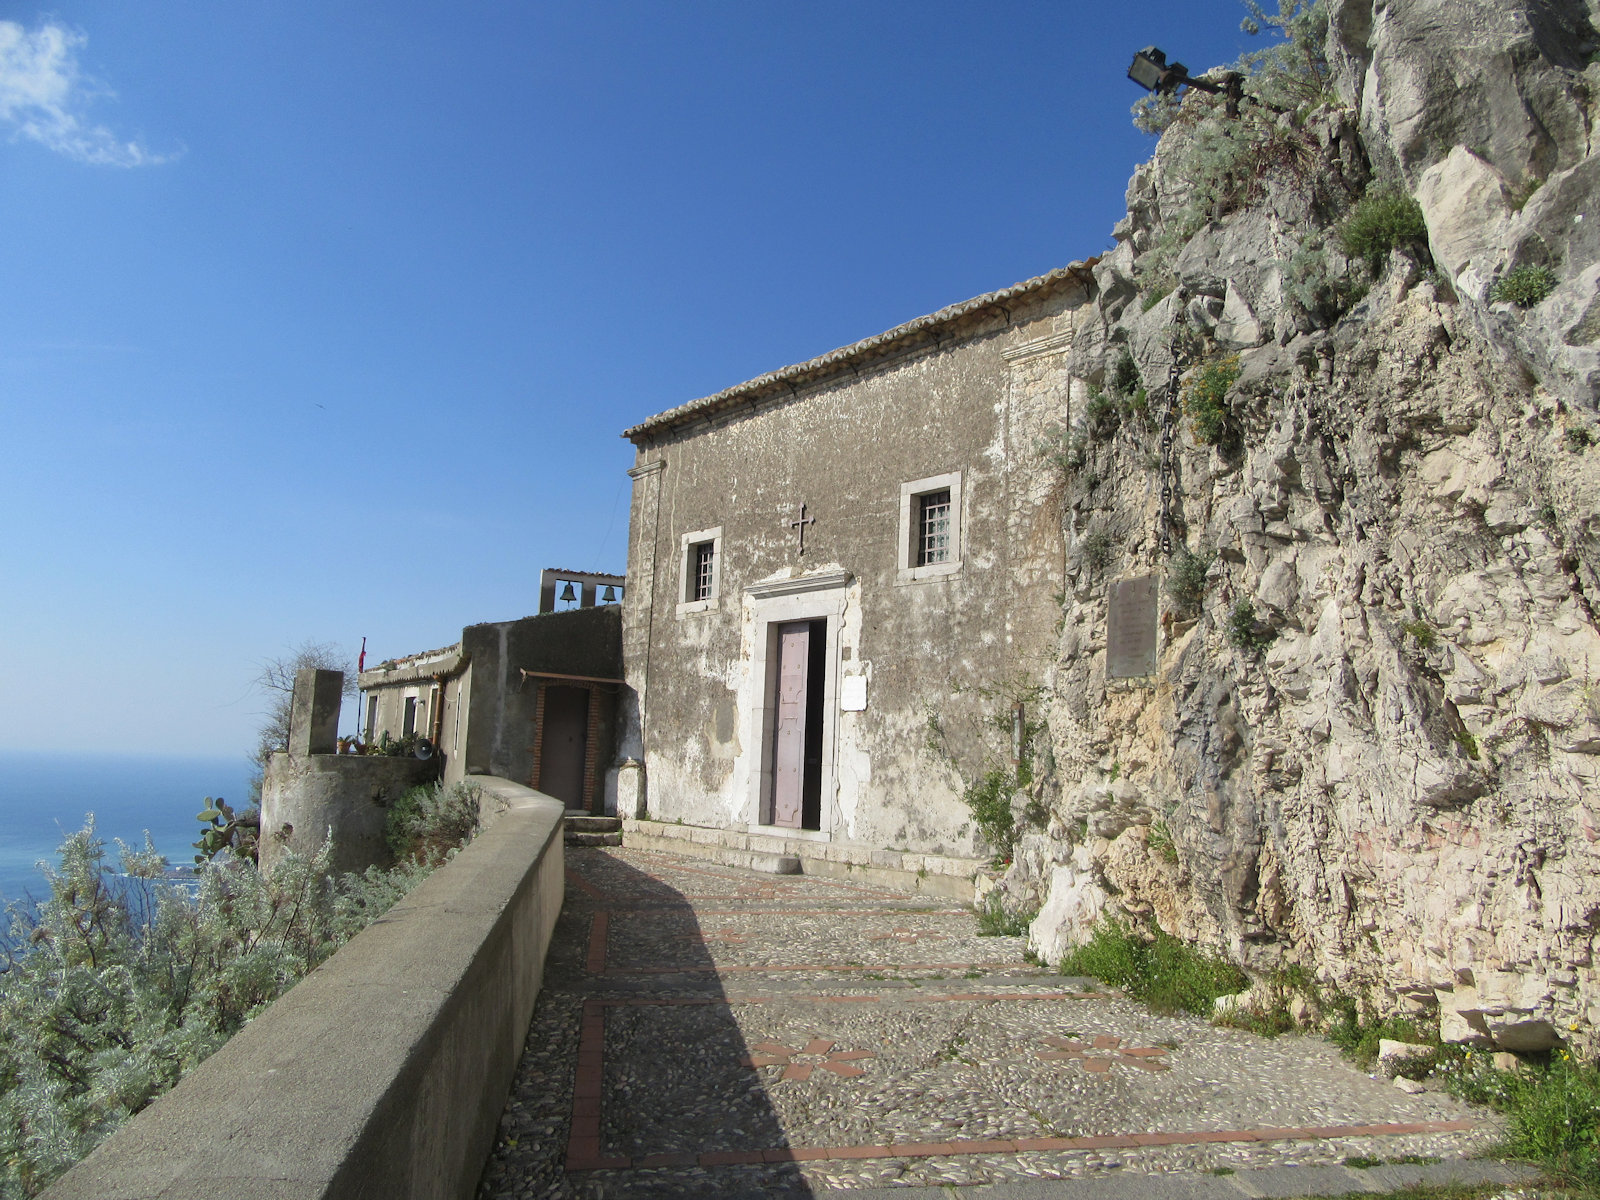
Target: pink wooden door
<point x="789" y="735"/>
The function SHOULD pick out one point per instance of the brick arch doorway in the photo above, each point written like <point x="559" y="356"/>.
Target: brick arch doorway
<point x="571" y="721"/>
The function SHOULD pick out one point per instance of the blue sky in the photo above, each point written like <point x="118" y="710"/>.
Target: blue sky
<point x="322" y="321"/>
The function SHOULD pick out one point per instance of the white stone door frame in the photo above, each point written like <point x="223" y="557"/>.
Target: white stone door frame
<point x="819" y="597"/>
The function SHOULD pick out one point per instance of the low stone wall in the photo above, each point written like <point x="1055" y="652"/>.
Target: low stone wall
<point x="383" y="1072"/>
<point x="934" y="874"/>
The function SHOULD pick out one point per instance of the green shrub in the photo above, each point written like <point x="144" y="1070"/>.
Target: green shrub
<point x="1125" y="375"/>
<point x="1385" y="219"/>
<point x="1423" y="634"/>
<point x="995" y="921"/>
<point x="1162" y="971"/>
<point x="1101" y="414"/>
<point x="1186" y="579"/>
<point x="122" y="981"/>
<point x="1525" y="286"/>
<point x="1068" y="452"/>
<point x="1552" y="1110"/>
<point x="1205" y="400"/>
<point x="1555" y="1117"/>
<point x="430" y="821"/>
<point x="1243" y="630"/>
<point x="989" y="799"/>
<point x="1579" y="438"/>
<point x="1096" y="547"/>
<point x="1309" y="280"/>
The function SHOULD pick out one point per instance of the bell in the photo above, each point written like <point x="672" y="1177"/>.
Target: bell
<point x="609" y="596"/>
<point x="567" y="594"/>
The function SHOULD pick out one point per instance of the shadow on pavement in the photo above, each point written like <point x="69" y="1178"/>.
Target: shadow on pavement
<point x="636" y="1079"/>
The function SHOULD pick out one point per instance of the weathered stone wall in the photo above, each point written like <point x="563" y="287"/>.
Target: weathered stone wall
<point x="844" y="445"/>
<point x="1400" y="792"/>
<point x="306" y="798"/>
<point x="583" y="642"/>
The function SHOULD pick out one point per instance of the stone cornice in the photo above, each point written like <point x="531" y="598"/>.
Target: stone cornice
<point x="823" y="581"/>
<point x="1056" y="343"/>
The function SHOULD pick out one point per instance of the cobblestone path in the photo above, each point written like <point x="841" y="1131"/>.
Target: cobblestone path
<point x="710" y="1031"/>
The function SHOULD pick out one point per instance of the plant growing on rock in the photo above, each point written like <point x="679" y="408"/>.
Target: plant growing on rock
<point x="1311" y="281"/>
<point x="995" y="920"/>
<point x="1205" y="400"/>
<point x="1096" y="548"/>
<point x="1186" y="579"/>
<point x="1424" y="635"/>
<point x="1101" y="414"/>
<point x="1384" y="219"/>
<point x="1161" y="843"/>
<point x="1524" y="286"/>
<point x="1245" y="632"/>
<point x="1065" y="450"/>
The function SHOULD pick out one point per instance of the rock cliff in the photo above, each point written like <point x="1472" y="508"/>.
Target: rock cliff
<point x="1371" y="747"/>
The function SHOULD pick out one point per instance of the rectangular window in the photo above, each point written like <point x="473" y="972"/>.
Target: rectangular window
<point x="705" y="562"/>
<point x="408" y="726"/>
<point x="930" y="528"/>
<point x="700" y="566"/>
<point x="933" y="542"/>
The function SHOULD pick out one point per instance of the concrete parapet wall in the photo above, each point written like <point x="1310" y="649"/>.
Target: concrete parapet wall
<point x="384" y="1072"/>
<point x="303" y="797"/>
<point x="934" y="874"/>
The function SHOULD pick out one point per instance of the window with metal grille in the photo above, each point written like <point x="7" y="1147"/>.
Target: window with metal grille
<point x="933" y="528"/>
<point x="704" y="567"/>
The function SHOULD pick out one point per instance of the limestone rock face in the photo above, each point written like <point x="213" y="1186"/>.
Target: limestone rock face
<point x="1484" y="107"/>
<point x="1372" y="746"/>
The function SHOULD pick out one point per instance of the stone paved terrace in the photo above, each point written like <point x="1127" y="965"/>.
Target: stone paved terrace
<point x="711" y="1031"/>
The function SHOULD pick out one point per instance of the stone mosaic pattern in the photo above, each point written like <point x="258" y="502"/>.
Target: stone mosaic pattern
<point x="806" y="1040"/>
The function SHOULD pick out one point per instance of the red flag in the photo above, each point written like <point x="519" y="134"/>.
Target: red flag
<point x="361" y="662"/>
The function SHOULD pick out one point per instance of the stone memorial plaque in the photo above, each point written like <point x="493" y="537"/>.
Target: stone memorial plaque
<point x="853" y="693"/>
<point x="1131" y="628"/>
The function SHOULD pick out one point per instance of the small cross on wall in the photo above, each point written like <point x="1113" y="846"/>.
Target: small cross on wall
<point x="799" y="526"/>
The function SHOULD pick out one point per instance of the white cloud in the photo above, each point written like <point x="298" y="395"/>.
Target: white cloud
<point x="44" y="98"/>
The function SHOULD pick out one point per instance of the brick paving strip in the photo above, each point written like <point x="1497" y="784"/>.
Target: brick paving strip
<point x="644" y="1076"/>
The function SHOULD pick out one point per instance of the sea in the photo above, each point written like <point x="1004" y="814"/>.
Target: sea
<point x="46" y="796"/>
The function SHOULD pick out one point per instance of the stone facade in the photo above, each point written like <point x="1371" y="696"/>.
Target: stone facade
<point x="953" y="403"/>
<point x="482" y="701"/>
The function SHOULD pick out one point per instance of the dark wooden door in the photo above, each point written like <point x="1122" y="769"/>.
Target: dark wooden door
<point x="565" y="739"/>
<point x="789" y="730"/>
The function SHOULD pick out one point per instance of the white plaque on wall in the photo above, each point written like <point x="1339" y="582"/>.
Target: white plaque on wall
<point x="853" y="693"/>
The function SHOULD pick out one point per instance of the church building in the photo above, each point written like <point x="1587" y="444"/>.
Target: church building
<point x="828" y="565"/>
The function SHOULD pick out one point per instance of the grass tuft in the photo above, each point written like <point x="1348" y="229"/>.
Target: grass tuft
<point x="1162" y="971"/>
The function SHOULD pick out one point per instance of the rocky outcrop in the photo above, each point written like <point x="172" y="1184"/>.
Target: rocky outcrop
<point x="1486" y="109"/>
<point x="1372" y="745"/>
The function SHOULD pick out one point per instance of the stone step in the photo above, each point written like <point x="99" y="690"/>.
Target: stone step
<point x="584" y="823"/>
<point x="593" y="839"/>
